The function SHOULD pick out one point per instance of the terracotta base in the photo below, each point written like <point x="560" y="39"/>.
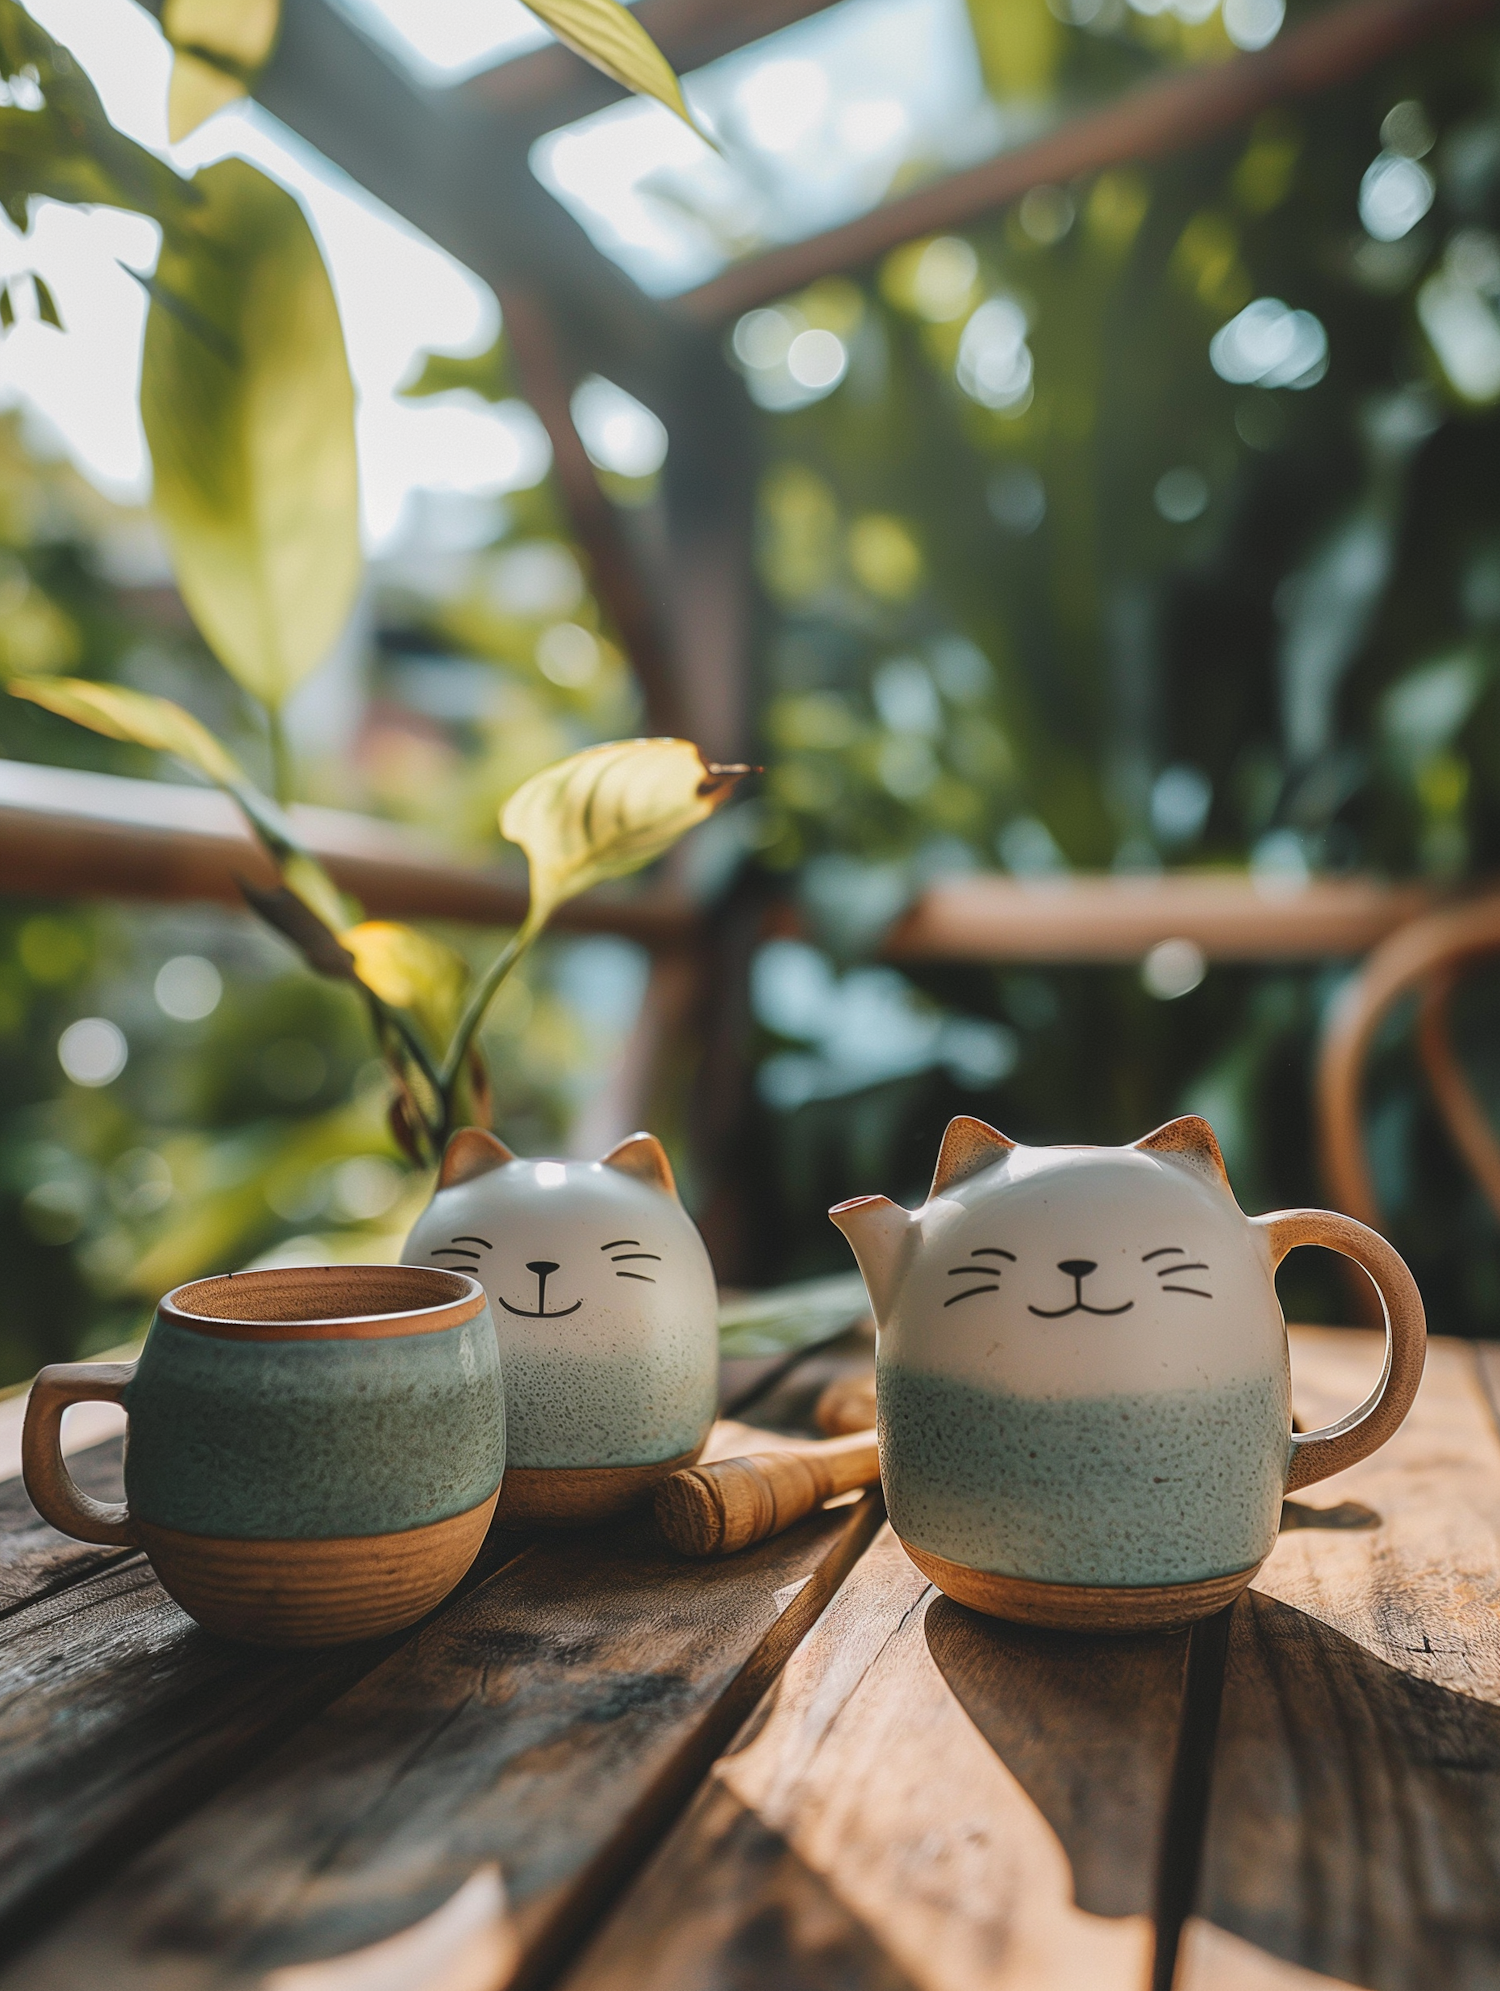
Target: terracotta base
<point x="573" y="1496"/>
<point x="1081" y="1607"/>
<point x="315" y="1593"/>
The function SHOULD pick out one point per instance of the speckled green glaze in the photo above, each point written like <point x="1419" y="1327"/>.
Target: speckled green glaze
<point x="1166" y="1487"/>
<point x="314" y="1440"/>
<point x="613" y="1410"/>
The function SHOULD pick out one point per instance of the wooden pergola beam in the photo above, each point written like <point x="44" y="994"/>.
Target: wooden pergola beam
<point x="1098" y="920"/>
<point x="1167" y="115"/>
<point x="66" y="834"/>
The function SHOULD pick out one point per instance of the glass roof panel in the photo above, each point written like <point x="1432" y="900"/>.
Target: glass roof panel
<point x="818" y="122"/>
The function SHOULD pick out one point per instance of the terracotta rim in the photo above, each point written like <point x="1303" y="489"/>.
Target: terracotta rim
<point x="324" y="1303"/>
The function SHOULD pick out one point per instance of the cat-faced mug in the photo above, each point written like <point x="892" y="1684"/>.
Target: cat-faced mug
<point x="1084" y="1397"/>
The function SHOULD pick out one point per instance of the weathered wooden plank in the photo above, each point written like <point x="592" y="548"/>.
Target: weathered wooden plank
<point x="118" y="1715"/>
<point x="1354" y="1826"/>
<point x="553" y="1721"/>
<point x="926" y="1801"/>
<point x="35" y="1560"/>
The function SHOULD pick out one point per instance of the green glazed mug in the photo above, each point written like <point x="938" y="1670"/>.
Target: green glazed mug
<point x="314" y="1453"/>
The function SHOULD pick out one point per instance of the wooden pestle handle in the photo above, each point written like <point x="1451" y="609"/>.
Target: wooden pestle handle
<point x="719" y="1508"/>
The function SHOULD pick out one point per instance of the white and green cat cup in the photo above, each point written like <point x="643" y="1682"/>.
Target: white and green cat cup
<point x="606" y="1312"/>
<point x="1084" y="1398"/>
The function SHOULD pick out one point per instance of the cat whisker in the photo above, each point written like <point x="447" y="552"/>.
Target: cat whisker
<point x="1161" y="1251"/>
<point x="466" y="1238"/>
<point x="617" y="1242"/>
<point x="973" y="1271"/>
<point x="645" y="1276"/>
<point x="1196" y="1291"/>
<point x="992" y="1251"/>
<point x="973" y="1293"/>
<point x="636" y="1254"/>
<point x="1171" y="1271"/>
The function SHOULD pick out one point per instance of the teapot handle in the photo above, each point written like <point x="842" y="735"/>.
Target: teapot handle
<point x="1316" y="1454"/>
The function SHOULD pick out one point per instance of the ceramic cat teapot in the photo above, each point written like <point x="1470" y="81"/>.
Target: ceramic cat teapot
<point x="605" y="1308"/>
<point x="1084" y="1401"/>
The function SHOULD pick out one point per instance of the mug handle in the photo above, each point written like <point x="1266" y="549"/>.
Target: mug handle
<point x="1316" y="1454"/>
<point x="55" y="1494"/>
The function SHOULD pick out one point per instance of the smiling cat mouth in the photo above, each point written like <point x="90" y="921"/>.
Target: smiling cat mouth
<point x="536" y="1313"/>
<point x="1061" y="1313"/>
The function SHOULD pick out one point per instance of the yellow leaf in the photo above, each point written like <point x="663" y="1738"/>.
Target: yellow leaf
<point x="612" y="39"/>
<point x="313" y="886"/>
<point x="249" y="411"/>
<point x="410" y="970"/>
<point x="122" y="714"/>
<point x="221" y="47"/>
<point x="196" y="91"/>
<point x="608" y="811"/>
<point x="240" y="34"/>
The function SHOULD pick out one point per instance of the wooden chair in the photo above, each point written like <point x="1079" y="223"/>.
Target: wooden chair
<point x="1430" y="954"/>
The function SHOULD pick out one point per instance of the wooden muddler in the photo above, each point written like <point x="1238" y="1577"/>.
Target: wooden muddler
<point x="718" y="1508"/>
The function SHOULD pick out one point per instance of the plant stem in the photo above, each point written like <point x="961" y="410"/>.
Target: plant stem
<point x="483" y="994"/>
<point x="281" y="757"/>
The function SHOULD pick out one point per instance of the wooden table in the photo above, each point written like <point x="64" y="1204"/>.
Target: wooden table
<point x="599" y="1767"/>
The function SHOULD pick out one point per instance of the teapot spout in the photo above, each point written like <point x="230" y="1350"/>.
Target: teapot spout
<point x="877" y="1230"/>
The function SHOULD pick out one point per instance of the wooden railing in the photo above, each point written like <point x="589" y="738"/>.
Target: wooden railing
<point x="66" y="834"/>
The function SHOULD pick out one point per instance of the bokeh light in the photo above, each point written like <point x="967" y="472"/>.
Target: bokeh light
<point x="1173" y="968"/>
<point x="93" y="1051"/>
<point x="188" y="988"/>
<point x="1181" y="495"/>
<point x="620" y="433"/>
<point x="1394" y="195"/>
<point x="1270" y="345"/>
<point x="994" y="364"/>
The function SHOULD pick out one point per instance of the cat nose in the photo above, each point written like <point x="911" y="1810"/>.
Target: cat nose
<point x="541" y="1265"/>
<point x="1077" y="1268"/>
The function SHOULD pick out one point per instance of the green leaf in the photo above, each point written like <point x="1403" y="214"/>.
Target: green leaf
<point x="7" y="309"/>
<point x="138" y="716"/>
<point x="222" y="45"/>
<point x="66" y="148"/>
<point x="291" y="915"/>
<point x="197" y="90"/>
<point x="46" y="305"/>
<point x="256" y="483"/>
<point x="148" y="721"/>
<point x="792" y="1317"/>
<point x="612" y="39"/>
<point x="313" y="886"/>
<point x="608" y="811"/>
<point x="487" y="374"/>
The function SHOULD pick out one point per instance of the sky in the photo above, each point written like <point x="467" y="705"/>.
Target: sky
<point x="398" y="294"/>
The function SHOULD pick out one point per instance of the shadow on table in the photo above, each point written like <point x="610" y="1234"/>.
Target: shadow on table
<point x="1353" y="1825"/>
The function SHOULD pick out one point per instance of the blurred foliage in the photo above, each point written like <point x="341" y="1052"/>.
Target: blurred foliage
<point x="1053" y="592"/>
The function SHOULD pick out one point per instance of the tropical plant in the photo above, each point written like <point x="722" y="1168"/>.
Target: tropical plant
<point x="248" y="410"/>
<point x="599" y="814"/>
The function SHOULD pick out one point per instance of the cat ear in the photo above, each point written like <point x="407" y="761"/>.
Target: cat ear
<point x="1192" y="1140"/>
<point x="471" y="1152"/>
<point x="644" y="1157"/>
<point x="968" y="1146"/>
